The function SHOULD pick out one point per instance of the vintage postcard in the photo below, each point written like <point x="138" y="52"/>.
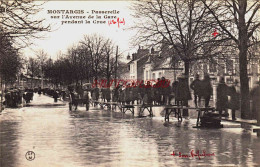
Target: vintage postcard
<point x="137" y="83"/>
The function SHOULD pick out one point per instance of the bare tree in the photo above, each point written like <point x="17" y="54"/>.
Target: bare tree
<point x="17" y="20"/>
<point x="42" y="58"/>
<point x="180" y="24"/>
<point x="110" y="53"/>
<point x="238" y="20"/>
<point x="95" y="45"/>
<point x="33" y="69"/>
<point x="92" y="57"/>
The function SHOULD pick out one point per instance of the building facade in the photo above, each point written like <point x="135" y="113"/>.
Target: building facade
<point x="150" y="65"/>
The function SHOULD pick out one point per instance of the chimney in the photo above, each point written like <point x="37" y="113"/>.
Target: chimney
<point x="133" y="56"/>
<point x="152" y="50"/>
<point x="128" y="57"/>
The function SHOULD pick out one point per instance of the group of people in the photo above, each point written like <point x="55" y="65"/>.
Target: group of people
<point x="131" y="93"/>
<point x="224" y="102"/>
<point x="78" y="95"/>
<point x="202" y="89"/>
<point x="227" y="96"/>
<point x="55" y="93"/>
<point x="28" y="95"/>
<point x="161" y="93"/>
<point x="13" y="97"/>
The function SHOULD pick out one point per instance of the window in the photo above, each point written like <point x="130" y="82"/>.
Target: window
<point x="221" y="69"/>
<point x="160" y="74"/>
<point x="153" y="75"/>
<point x="205" y="68"/>
<point x="147" y="75"/>
<point x="132" y="68"/>
<point x="229" y="66"/>
<point x="212" y="68"/>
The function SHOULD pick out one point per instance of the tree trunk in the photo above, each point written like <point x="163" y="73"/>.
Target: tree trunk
<point x="32" y="82"/>
<point x="242" y="46"/>
<point x="187" y="68"/>
<point x="185" y="102"/>
<point x="244" y="85"/>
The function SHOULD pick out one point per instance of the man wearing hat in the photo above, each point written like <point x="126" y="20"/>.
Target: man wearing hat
<point x="222" y="97"/>
<point x="234" y="100"/>
<point x="196" y="87"/>
<point x="183" y="95"/>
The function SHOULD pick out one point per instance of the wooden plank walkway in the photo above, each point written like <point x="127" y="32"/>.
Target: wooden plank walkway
<point x="179" y="109"/>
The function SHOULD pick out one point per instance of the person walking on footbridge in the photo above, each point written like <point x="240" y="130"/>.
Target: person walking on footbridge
<point x="196" y="87"/>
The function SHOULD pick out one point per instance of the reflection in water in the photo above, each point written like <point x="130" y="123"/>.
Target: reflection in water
<point x="9" y="143"/>
<point x="104" y="138"/>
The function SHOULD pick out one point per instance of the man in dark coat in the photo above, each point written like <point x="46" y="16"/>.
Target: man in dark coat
<point x="141" y="90"/>
<point x="165" y="89"/>
<point x="206" y="90"/>
<point x="55" y="96"/>
<point x="174" y="89"/>
<point x="108" y="94"/>
<point x="183" y="93"/>
<point x="39" y="90"/>
<point x="134" y="93"/>
<point x="148" y="93"/>
<point x="103" y="94"/>
<point x="96" y="91"/>
<point x="234" y="100"/>
<point x="127" y="93"/>
<point x="196" y="87"/>
<point x="116" y="94"/>
<point x="222" y="97"/>
<point x="121" y="98"/>
<point x="158" y="92"/>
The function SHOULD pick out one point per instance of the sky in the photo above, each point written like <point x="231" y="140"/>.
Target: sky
<point x="66" y="35"/>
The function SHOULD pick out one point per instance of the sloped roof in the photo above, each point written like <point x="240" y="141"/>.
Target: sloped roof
<point x="158" y="61"/>
<point x="164" y="63"/>
<point x="141" y="61"/>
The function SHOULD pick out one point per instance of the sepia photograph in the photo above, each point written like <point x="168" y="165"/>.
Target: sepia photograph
<point x="135" y="83"/>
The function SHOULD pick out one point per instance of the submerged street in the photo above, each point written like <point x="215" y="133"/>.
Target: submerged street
<point x="99" y="137"/>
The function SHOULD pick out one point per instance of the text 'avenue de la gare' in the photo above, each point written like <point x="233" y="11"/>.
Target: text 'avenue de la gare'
<point x="83" y="17"/>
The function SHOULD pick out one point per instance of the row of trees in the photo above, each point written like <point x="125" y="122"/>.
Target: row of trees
<point x="17" y="29"/>
<point x="187" y="26"/>
<point x="10" y="60"/>
<point x="94" y="57"/>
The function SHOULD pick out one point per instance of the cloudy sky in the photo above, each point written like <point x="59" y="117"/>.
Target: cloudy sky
<point x="64" y="36"/>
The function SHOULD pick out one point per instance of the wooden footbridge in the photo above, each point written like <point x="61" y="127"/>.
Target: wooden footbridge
<point x="206" y="116"/>
<point x="168" y="109"/>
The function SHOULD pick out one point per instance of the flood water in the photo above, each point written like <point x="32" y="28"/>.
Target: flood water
<point x="98" y="137"/>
